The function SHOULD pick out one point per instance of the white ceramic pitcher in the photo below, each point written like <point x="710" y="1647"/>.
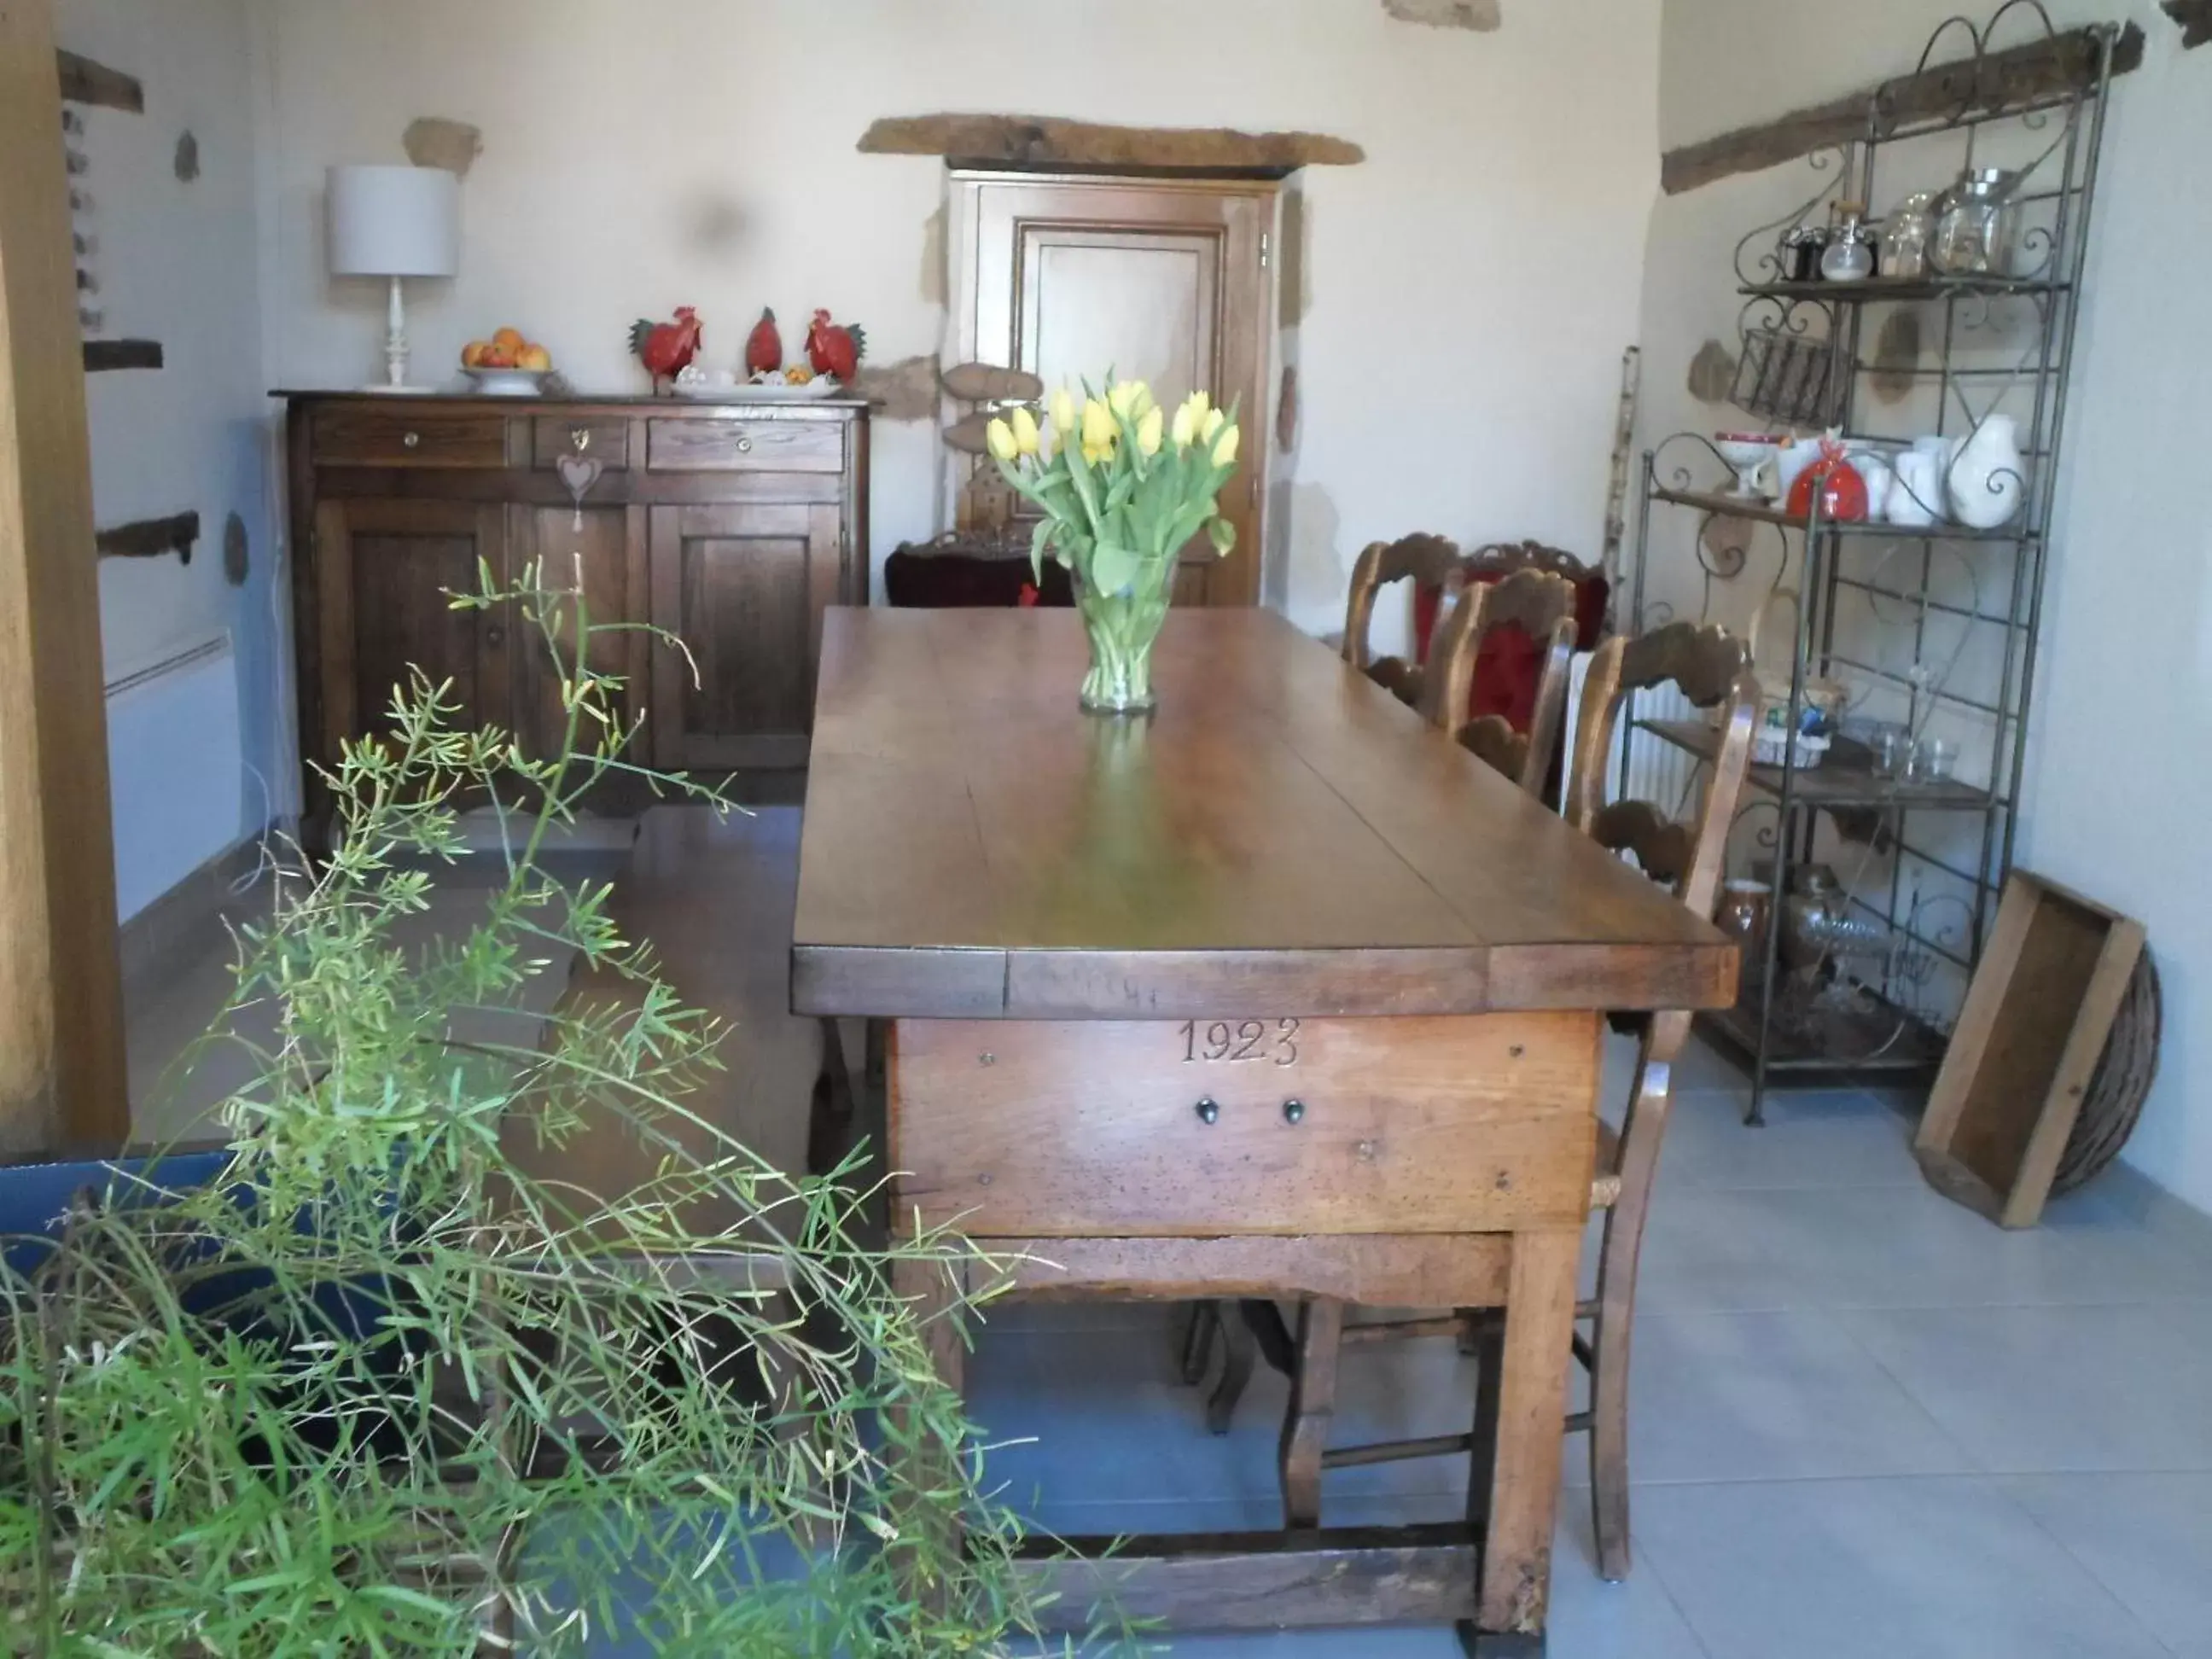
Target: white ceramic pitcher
<point x="1987" y="482"/>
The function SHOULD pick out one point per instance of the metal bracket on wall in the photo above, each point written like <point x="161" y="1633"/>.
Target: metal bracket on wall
<point x="152" y="539"/>
<point x="84" y="81"/>
<point x="103" y="356"/>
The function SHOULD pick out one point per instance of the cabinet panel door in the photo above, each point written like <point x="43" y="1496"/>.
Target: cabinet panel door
<point x="743" y="586"/>
<point x="600" y="554"/>
<point x="388" y="569"/>
<point x="1166" y="281"/>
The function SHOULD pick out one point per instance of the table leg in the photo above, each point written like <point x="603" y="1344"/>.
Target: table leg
<point x="1533" y="1360"/>
<point x="1313" y="1409"/>
<point x="932" y="1465"/>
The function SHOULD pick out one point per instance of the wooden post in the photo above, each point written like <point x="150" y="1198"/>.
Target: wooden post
<point x="63" y="1080"/>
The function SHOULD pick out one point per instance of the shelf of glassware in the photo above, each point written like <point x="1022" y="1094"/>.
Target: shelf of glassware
<point x="1845" y="781"/>
<point x="1874" y="289"/>
<point x="1763" y="511"/>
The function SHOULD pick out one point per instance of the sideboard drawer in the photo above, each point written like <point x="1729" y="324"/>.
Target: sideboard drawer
<point x="351" y="434"/>
<point x="606" y="441"/>
<point x="1104" y="1129"/>
<point x="704" y="445"/>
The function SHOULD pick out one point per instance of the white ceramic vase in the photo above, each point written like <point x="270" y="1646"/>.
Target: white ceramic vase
<point x="1875" y="467"/>
<point x="1986" y="482"/>
<point x="1916" y="495"/>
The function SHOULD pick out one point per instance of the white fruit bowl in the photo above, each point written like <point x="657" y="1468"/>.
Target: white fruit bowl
<point x="509" y="382"/>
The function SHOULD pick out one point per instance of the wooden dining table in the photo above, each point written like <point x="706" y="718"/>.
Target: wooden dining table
<point x="1274" y="994"/>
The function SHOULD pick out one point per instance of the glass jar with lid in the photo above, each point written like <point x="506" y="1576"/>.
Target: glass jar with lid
<point x="1907" y="234"/>
<point x="1976" y="224"/>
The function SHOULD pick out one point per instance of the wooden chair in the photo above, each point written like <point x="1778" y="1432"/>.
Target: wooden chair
<point x="1712" y="669"/>
<point x="1541" y="605"/>
<point x="1433" y="565"/>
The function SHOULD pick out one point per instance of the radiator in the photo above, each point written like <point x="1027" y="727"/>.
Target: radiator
<point x="175" y="769"/>
<point x="1657" y="771"/>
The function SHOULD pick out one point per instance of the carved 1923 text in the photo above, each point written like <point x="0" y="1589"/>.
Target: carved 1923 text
<point x="1250" y="1041"/>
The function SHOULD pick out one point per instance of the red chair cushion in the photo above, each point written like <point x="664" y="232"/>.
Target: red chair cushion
<point x="1510" y="667"/>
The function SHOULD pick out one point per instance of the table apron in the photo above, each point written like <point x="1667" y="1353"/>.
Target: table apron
<point x="1284" y="1128"/>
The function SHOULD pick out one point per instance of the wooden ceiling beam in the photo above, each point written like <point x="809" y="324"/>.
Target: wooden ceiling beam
<point x="1046" y="143"/>
<point x="2022" y="76"/>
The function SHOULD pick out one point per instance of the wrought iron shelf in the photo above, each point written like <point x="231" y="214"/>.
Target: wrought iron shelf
<point x="1875" y="289"/>
<point x="1746" y="507"/>
<point x="1884" y="1041"/>
<point x="1838" y="783"/>
<point x="1935" y="627"/>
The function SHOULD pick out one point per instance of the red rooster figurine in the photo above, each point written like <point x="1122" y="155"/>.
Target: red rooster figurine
<point x="833" y="350"/>
<point x="764" y="349"/>
<point x="667" y="350"/>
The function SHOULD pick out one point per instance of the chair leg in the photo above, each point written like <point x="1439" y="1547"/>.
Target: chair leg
<point x="1609" y="1446"/>
<point x="1485" y="1339"/>
<point x="1239" y="1350"/>
<point x="829" y="1118"/>
<point x="1312" y="1410"/>
<point x="1196" y="1326"/>
<point x="1611" y="1333"/>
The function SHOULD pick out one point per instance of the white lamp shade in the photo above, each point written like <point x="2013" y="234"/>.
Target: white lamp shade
<point x="395" y="222"/>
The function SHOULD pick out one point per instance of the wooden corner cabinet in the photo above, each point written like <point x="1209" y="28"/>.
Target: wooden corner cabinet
<point x="733" y="526"/>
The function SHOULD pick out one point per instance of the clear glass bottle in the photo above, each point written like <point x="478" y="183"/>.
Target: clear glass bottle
<point x="1975" y="231"/>
<point x="1906" y="235"/>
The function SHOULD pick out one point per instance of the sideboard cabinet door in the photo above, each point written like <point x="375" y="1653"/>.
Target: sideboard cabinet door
<point x="744" y="585"/>
<point x="385" y="571"/>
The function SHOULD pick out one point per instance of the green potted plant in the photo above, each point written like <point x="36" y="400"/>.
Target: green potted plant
<point x="361" y="1385"/>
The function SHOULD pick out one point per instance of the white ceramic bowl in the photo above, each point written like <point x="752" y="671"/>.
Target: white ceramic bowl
<point x="1747" y="455"/>
<point x="509" y="382"/>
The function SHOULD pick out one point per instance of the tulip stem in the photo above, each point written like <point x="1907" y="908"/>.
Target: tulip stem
<point x="1123" y="629"/>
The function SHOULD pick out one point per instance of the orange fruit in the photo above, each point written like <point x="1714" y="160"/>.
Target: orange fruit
<point x="512" y="338"/>
<point x="536" y="358"/>
<point x="472" y="354"/>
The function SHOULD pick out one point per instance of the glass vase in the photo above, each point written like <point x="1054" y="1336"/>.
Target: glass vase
<point x="1123" y="629"/>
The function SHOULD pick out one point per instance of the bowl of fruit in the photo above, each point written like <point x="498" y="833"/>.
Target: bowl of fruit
<point x="793" y="384"/>
<point x="508" y="365"/>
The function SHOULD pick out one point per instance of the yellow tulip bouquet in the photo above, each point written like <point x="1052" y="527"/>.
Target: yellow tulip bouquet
<point x="1123" y="489"/>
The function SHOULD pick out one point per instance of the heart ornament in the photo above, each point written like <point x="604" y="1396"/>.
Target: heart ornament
<point x="581" y="473"/>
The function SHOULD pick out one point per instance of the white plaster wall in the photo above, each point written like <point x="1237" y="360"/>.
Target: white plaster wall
<point x="1472" y="286"/>
<point x="178" y="264"/>
<point x="2117" y="790"/>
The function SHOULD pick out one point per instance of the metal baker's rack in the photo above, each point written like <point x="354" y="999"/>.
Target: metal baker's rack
<point x="1935" y="629"/>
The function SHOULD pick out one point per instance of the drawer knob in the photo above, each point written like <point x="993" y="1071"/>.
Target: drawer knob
<point x="412" y="441"/>
<point x="1209" y="1111"/>
<point x="745" y="445"/>
<point x="579" y="438"/>
<point x="1294" y="1112"/>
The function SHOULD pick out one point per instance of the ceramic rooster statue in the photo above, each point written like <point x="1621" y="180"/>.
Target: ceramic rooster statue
<point x="764" y="349"/>
<point x="834" y="350"/>
<point x="667" y="350"/>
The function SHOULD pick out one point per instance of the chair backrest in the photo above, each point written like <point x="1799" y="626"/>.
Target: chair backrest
<point x="1712" y="668"/>
<point x="1431" y="563"/>
<point x="1541" y="605"/>
<point x="1509" y="558"/>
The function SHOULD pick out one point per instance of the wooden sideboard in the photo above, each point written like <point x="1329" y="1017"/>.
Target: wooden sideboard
<point x="731" y="525"/>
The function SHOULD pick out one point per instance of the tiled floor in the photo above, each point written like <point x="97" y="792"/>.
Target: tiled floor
<point x="1867" y="1423"/>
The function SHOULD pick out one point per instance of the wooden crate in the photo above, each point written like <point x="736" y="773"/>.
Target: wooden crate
<point x="2035" y="1023"/>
